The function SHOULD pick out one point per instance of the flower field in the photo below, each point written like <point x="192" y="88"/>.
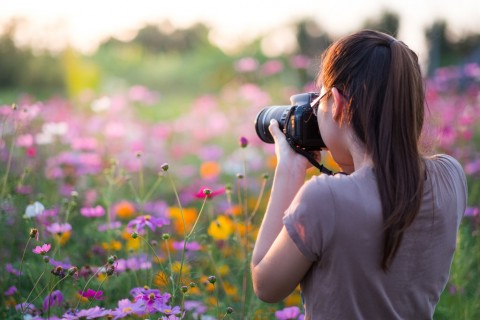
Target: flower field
<point x="107" y="214"/>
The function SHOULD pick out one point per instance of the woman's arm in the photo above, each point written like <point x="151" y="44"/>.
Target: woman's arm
<point x="277" y="264"/>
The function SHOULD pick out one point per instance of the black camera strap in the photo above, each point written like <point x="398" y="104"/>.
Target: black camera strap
<point x="308" y="155"/>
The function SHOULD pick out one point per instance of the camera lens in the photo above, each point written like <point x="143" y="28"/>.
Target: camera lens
<point x="262" y="121"/>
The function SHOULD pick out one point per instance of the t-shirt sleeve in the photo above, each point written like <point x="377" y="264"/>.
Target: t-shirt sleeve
<point x="454" y="175"/>
<point x="310" y="219"/>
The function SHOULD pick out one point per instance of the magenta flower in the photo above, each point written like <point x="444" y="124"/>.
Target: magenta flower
<point x="139" y="223"/>
<point x="59" y="228"/>
<point x="11" y="291"/>
<point x="288" y="313"/>
<point x="92" y="294"/>
<point x="53" y="299"/>
<point x="12" y="270"/>
<point x="191" y="246"/>
<point x="206" y="192"/>
<point x="153" y="300"/>
<point x="42" y="249"/>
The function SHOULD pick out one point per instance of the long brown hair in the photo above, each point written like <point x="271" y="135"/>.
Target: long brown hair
<point x="382" y="82"/>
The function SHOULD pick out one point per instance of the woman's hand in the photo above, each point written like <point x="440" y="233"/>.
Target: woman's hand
<point x="287" y="158"/>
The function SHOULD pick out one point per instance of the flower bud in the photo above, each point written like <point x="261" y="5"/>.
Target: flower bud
<point x="266" y="176"/>
<point x="207" y="191"/>
<point x="110" y="270"/>
<point x="229" y="310"/>
<point x="72" y="271"/>
<point x="243" y="142"/>
<point x="164" y="167"/>
<point x="134" y="235"/>
<point x="192" y="284"/>
<point x="184" y="289"/>
<point x="240" y="176"/>
<point x="46" y="259"/>
<point x="212" y="279"/>
<point x="112" y="259"/>
<point x="74" y="194"/>
<point x="165" y="236"/>
<point x="14" y="106"/>
<point x="33" y="233"/>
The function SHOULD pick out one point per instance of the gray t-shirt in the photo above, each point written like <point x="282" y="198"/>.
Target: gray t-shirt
<point x="336" y="222"/>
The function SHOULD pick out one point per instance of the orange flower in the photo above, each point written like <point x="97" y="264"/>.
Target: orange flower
<point x="189" y="214"/>
<point x="209" y="170"/>
<point x="124" y="209"/>
<point x="161" y="279"/>
<point x="221" y="228"/>
<point x="234" y="210"/>
<point x="63" y="237"/>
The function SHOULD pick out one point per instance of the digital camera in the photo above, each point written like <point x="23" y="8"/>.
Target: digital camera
<point x="297" y="122"/>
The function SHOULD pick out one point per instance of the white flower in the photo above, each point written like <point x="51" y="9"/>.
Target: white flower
<point x="34" y="210"/>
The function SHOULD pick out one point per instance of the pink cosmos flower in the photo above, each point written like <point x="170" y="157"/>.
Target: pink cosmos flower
<point x="92" y="313"/>
<point x="247" y="64"/>
<point x="59" y="228"/>
<point x="42" y="249"/>
<point x="92" y="212"/>
<point x="288" y="313"/>
<point x="92" y="294"/>
<point x="139" y="223"/>
<point x="191" y="246"/>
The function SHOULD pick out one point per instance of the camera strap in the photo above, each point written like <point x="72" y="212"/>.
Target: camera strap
<point x="308" y="155"/>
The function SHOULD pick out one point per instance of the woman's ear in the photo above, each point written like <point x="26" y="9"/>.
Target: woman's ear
<point x="339" y="103"/>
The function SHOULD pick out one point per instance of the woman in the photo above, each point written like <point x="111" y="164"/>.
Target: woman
<point x="378" y="241"/>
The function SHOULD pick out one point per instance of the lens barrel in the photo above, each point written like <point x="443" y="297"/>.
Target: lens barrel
<point x="262" y="122"/>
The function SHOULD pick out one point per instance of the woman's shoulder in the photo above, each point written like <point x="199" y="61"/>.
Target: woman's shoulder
<point x="446" y="164"/>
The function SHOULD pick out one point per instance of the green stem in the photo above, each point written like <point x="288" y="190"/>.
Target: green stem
<point x="34" y="286"/>
<point x="185" y="237"/>
<point x="9" y="164"/>
<point x="86" y="284"/>
<point x="21" y="263"/>
<point x="99" y="286"/>
<point x="259" y="200"/>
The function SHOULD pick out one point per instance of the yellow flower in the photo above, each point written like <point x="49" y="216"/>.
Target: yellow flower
<point x="132" y="244"/>
<point x="221" y="228"/>
<point x="124" y="209"/>
<point x="189" y="214"/>
<point x="176" y="268"/>
<point x="209" y="170"/>
<point x="223" y="270"/>
<point x="294" y="299"/>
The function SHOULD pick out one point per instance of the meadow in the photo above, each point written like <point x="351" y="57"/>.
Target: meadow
<point x="110" y="211"/>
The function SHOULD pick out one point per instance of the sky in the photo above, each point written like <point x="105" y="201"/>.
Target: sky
<point x="84" y="24"/>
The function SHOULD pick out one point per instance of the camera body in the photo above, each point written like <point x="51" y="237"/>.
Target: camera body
<point x="297" y="122"/>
